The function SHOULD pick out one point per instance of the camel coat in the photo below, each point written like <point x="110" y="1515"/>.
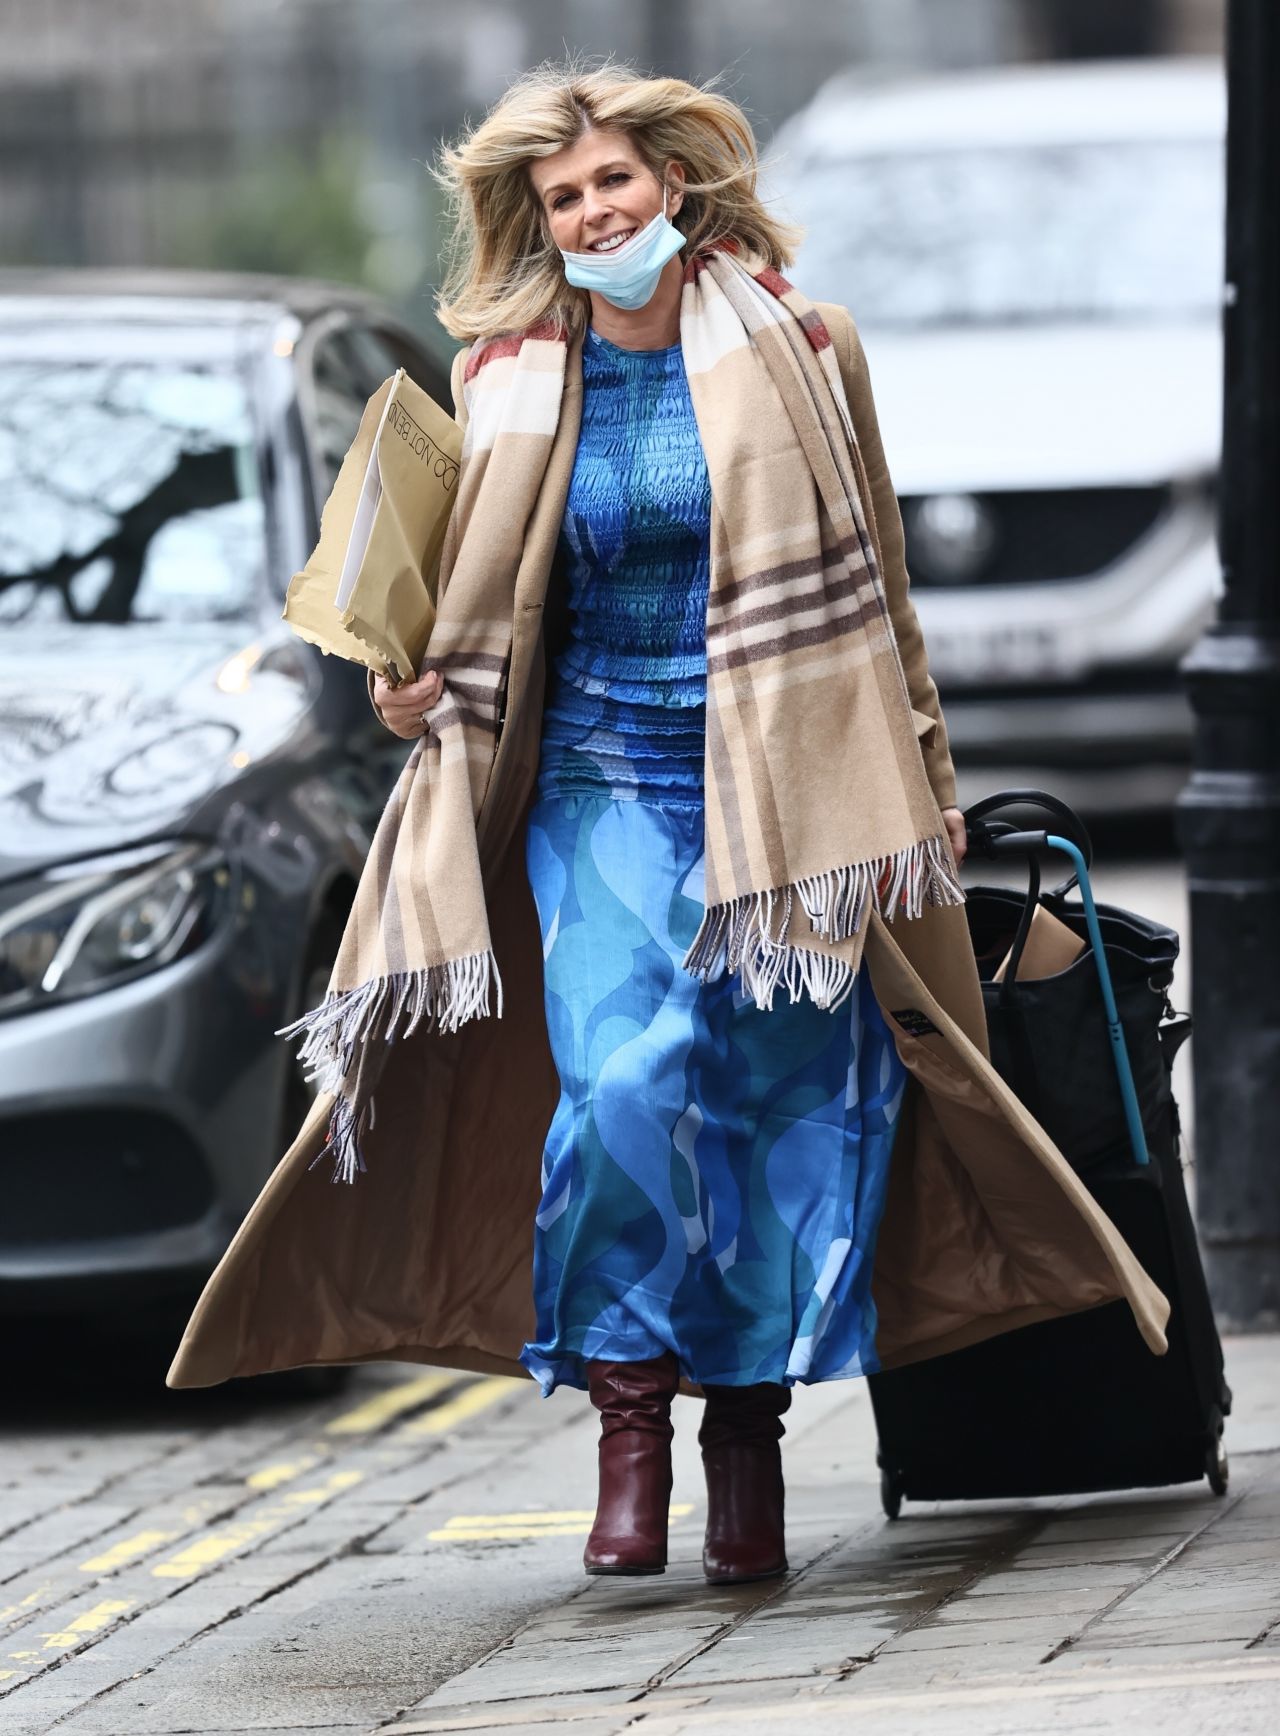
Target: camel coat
<point x="428" y="1256"/>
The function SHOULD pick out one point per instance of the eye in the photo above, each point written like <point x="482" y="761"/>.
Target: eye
<point x="557" y="204"/>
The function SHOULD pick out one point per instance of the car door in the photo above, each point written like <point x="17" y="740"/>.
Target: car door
<point x="343" y="361"/>
<point x="378" y="350"/>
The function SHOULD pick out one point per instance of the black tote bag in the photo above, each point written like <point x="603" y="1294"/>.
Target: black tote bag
<point x="1048" y="1035"/>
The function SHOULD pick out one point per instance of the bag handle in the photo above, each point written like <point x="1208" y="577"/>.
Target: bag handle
<point x="1025" y="915"/>
<point x="999" y="838"/>
<point x="992" y="838"/>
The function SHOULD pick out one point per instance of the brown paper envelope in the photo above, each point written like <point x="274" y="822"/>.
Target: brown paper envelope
<point x="309" y="604"/>
<point x="1051" y="947"/>
<point x="381" y="533"/>
<point x="392" y="601"/>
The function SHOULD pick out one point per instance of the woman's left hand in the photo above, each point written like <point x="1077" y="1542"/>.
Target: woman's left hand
<point x="955" y="831"/>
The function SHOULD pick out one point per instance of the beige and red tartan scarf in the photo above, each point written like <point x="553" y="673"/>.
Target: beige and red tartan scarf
<point x="816" y="794"/>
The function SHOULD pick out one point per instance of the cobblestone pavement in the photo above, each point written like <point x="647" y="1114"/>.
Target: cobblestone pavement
<point x="1078" y="1614"/>
<point x="406" y="1557"/>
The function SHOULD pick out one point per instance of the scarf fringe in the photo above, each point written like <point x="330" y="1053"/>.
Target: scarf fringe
<point x="836" y="903"/>
<point x="440" y="997"/>
<point x="342" y="1142"/>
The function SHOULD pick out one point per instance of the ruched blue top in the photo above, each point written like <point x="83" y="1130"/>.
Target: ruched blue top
<point x="625" y="706"/>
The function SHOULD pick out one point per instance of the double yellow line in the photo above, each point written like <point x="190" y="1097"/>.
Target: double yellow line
<point x="508" y="1527"/>
<point x="366" y="1418"/>
<point x="204" y="1551"/>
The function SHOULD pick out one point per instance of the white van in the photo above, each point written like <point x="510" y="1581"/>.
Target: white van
<point x="1033" y="256"/>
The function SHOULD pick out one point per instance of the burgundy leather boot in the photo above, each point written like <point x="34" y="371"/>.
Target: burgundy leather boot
<point x="634" y="1401"/>
<point x="739" y="1435"/>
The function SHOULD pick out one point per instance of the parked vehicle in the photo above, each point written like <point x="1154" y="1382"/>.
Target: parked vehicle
<point x="187" y="792"/>
<point x="1034" y="259"/>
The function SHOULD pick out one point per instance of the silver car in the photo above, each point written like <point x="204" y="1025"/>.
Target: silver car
<point x="1034" y="259"/>
<point x="187" y="792"/>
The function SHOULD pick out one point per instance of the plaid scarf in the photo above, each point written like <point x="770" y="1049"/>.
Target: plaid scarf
<point x="817" y="804"/>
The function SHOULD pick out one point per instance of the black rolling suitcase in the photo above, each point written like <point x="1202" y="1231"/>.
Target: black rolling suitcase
<point x="1077" y="1403"/>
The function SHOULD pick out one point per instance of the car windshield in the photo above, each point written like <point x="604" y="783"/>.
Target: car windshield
<point x="128" y="493"/>
<point x="992" y="236"/>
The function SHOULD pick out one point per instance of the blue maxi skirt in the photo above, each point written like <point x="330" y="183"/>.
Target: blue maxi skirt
<point x="714" y="1174"/>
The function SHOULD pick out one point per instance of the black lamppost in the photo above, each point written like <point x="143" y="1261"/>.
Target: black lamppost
<point x="1229" y="813"/>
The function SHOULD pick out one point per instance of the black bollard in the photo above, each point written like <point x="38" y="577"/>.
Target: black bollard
<point x="1229" y="813"/>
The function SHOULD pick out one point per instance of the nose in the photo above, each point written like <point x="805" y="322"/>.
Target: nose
<point x="595" y="207"/>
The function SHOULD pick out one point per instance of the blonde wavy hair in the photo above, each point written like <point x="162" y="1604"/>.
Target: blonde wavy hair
<point x="503" y="272"/>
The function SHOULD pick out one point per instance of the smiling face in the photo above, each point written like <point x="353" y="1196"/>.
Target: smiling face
<point x="598" y="192"/>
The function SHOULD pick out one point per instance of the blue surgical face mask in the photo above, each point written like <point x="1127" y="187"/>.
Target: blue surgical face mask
<point x="629" y="274"/>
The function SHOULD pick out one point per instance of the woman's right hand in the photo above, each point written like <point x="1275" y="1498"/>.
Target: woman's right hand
<point x="402" y="707"/>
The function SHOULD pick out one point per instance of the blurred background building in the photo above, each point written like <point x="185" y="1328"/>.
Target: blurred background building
<point x="292" y="134"/>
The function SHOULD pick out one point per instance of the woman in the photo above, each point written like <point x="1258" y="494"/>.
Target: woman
<point x="725" y="774"/>
<point x="666" y="1244"/>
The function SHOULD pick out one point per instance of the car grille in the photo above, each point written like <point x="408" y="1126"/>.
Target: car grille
<point x="86" y="1177"/>
<point x="1024" y="537"/>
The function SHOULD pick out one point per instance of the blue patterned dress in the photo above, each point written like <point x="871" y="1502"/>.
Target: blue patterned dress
<point x="714" y="1174"/>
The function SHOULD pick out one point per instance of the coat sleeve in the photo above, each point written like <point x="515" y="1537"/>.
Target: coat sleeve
<point x="887" y="530"/>
<point x="460" y="417"/>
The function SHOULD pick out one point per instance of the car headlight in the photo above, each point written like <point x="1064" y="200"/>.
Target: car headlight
<point x="951" y="537"/>
<point x="83" y="927"/>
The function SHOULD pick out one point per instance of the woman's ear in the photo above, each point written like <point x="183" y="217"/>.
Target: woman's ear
<point x="675" y="181"/>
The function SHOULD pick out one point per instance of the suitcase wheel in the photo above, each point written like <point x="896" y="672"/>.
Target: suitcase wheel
<point x="1215" y="1453"/>
<point x="1216" y="1467"/>
<point x="891" y="1493"/>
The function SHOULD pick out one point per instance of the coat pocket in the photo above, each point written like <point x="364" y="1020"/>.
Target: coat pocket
<point x="926" y="727"/>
